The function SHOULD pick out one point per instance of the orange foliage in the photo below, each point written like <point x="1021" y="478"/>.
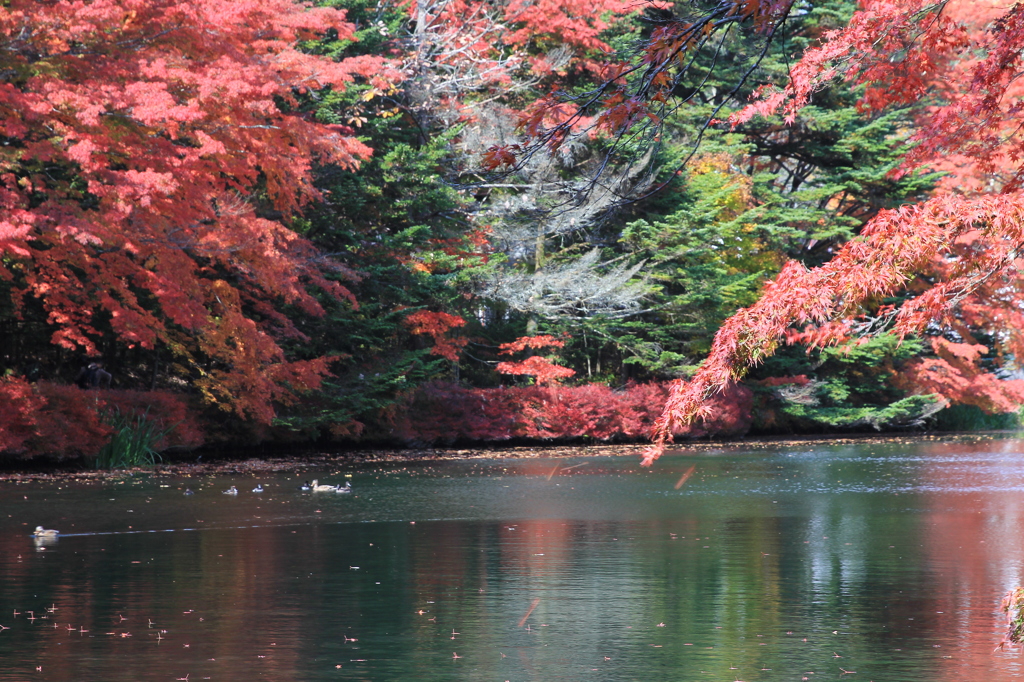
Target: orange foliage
<point x="474" y="46"/>
<point x="895" y="245"/>
<point x="437" y="326"/>
<point x="967" y="53"/>
<point x="472" y="32"/>
<point x="542" y="369"/>
<point x="626" y="102"/>
<point x="524" y="342"/>
<point x="500" y="155"/>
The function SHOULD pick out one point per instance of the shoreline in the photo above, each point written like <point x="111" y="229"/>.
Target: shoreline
<point x="314" y="460"/>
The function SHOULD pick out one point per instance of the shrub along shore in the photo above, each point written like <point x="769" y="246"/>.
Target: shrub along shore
<point x="111" y="428"/>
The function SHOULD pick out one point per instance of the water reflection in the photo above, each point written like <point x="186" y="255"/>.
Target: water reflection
<point x="772" y="564"/>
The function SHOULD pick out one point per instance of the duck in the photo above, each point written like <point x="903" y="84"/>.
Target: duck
<point x="45" y="532"/>
<point x="347" y="488"/>
<point x="258" y="488"/>
<point x="231" y="491"/>
<point x="317" y="488"/>
<point x="306" y="486"/>
<point x="188" y="491"/>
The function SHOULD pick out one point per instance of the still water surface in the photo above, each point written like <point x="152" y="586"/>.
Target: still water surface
<point x="870" y="561"/>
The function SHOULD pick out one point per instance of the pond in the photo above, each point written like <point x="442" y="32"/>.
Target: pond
<point x="859" y="561"/>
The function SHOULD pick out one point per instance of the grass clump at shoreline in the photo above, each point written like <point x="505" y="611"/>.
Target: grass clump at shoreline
<point x="133" y="442"/>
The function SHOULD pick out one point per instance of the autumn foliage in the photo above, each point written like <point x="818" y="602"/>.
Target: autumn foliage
<point x="542" y="369"/>
<point x="151" y="150"/>
<point x="66" y="422"/>
<point x="437" y="326"/>
<point x="486" y="42"/>
<point x="308" y="221"/>
<point x="443" y="413"/>
<point x="975" y="112"/>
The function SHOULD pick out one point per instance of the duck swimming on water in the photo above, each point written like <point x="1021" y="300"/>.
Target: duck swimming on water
<point x="231" y="491"/>
<point x="45" y="533"/>
<point x="258" y="488"/>
<point x="318" y="488"/>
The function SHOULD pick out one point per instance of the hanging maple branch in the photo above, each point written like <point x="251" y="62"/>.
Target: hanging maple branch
<point x="981" y="102"/>
<point x="893" y="247"/>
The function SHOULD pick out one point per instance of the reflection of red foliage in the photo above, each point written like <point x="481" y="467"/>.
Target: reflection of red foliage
<point x="445" y="413"/>
<point x="437" y="325"/>
<point x="64" y="421"/>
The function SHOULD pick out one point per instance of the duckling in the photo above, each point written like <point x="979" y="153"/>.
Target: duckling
<point x="317" y="488"/>
<point x="347" y="488"/>
<point x="258" y="488"/>
<point x="231" y="491"/>
<point x="45" y="532"/>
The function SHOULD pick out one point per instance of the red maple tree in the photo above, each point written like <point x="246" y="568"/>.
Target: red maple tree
<point x="152" y="149"/>
<point x="900" y="49"/>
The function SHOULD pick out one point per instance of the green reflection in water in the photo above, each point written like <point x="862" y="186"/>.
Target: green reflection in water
<point x="772" y="564"/>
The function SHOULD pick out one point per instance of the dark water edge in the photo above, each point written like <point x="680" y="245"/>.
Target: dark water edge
<point x="298" y="457"/>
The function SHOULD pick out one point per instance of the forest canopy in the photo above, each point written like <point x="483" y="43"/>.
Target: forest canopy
<point x="344" y="219"/>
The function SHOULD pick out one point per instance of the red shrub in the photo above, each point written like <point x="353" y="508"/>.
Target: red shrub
<point x="444" y="413"/>
<point x="590" y="410"/>
<point x="170" y="411"/>
<point x="70" y="423"/>
<point x="20" y="412"/>
<point x="62" y="421"/>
